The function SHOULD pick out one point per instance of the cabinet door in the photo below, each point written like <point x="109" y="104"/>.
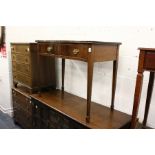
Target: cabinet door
<point x="60" y="121"/>
<point x="55" y="120"/>
<point x="22" y="110"/>
<point x="40" y="116"/>
<point x="36" y="116"/>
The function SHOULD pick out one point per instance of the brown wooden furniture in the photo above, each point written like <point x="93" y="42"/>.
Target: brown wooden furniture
<point x="88" y="51"/>
<point x="31" y="114"/>
<point x="53" y="111"/>
<point x="146" y="63"/>
<point x="25" y="67"/>
<point x="22" y="107"/>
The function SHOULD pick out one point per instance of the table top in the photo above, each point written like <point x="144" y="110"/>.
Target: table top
<point x="76" y="42"/>
<point x="147" y="49"/>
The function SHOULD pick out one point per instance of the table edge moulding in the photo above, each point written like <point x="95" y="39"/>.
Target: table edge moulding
<point x="88" y="51"/>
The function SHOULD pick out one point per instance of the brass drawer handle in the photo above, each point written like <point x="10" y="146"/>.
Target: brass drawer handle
<point x="49" y="49"/>
<point x="76" y="51"/>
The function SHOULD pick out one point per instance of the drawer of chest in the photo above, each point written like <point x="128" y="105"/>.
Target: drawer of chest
<point x="25" y="68"/>
<point x="22" y="78"/>
<point x="49" y="48"/>
<point x="149" y="62"/>
<point x="22" y="49"/>
<point x="21" y="58"/>
<point x="77" y="51"/>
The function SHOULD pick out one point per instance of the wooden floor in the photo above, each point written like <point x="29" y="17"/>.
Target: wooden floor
<point x="6" y="122"/>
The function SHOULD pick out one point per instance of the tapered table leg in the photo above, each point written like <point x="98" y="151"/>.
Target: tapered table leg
<point x="89" y="85"/>
<point x="115" y="66"/>
<point x="137" y="96"/>
<point x="63" y="74"/>
<point x="149" y="96"/>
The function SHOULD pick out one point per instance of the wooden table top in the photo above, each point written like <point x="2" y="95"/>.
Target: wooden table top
<point x="147" y="49"/>
<point x="76" y="42"/>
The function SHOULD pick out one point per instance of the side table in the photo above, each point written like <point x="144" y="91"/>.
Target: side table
<point x="146" y="63"/>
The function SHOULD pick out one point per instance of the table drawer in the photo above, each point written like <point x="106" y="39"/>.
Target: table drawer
<point x="21" y="58"/>
<point x="75" y="51"/>
<point x="149" y="63"/>
<point x="22" y="49"/>
<point x="49" y="48"/>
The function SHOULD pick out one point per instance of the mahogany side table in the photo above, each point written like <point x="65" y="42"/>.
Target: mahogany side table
<point x="146" y="63"/>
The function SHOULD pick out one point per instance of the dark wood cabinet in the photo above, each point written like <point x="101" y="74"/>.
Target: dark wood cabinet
<point x="22" y="107"/>
<point x="67" y="111"/>
<point x="45" y="117"/>
<point x="25" y="67"/>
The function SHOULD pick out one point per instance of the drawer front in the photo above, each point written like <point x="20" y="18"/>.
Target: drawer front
<point x="75" y="51"/>
<point x="149" y="63"/>
<point x="49" y="48"/>
<point x="21" y="58"/>
<point x="25" y="68"/>
<point x="22" y="49"/>
<point x="22" y="78"/>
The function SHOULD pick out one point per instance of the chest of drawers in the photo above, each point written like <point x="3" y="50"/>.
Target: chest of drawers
<point x="25" y="67"/>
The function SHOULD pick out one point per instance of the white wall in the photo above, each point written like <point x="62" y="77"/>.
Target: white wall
<point x="75" y="80"/>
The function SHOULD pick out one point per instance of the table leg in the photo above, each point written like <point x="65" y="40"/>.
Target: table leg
<point x="89" y="88"/>
<point x="63" y="74"/>
<point x="149" y="96"/>
<point x="39" y="72"/>
<point x="137" y="96"/>
<point x="115" y="66"/>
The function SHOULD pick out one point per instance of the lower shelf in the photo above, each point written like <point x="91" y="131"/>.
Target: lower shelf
<point x="74" y="107"/>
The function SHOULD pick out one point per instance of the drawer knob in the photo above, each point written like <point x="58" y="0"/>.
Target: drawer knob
<point x="12" y="48"/>
<point x="14" y="93"/>
<point x="28" y="49"/>
<point x="76" y="51"/>
<point x="49" y="49"/>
